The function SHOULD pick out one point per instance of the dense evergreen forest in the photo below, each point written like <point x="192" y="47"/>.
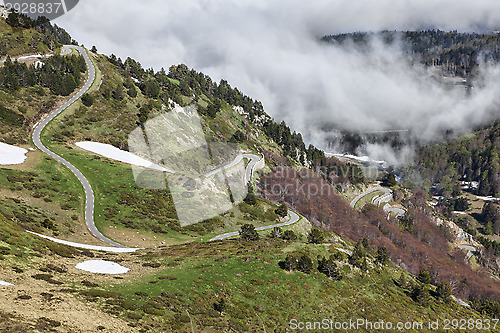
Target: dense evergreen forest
<point x="413" y="243"/>
<point x="49" y="35"/>
<point x="458" y="53"/>
<point x="472" y="158"/>
<point x="60" y="74"/>
<point x="181" y="81"/>
<point x="441" y="168"/>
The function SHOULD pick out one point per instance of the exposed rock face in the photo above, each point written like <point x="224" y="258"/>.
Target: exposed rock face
<point x="461" y="237"/>
<point x="3" y="12"/>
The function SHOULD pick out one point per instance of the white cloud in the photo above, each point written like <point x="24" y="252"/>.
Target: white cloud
<point x="270" y="51"/>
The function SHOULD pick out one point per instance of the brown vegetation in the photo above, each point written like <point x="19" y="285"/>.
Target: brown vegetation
<point x="414" y="243"/>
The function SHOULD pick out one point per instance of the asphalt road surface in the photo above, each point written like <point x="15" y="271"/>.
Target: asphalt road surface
<point x="378" y="188"/>
<point x="89" y="193"/>
<point x="293" y="218"/>
<point x="254" y="159"/>
<point x="387" y="196"/>
<point x="470" y="251"/>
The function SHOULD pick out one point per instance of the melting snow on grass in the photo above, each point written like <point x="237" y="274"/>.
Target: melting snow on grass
<point x="10" y="155"/>
<point x="493" y="199"/>
<point x="6" y="284"/>
<point x="364" y="159"/>
<point x="86" y="246"/>
<point x="102" y="267"/>
<point x="118" y="154"/>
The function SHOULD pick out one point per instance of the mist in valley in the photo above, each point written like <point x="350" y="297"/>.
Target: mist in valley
<point x="272" y="51"/>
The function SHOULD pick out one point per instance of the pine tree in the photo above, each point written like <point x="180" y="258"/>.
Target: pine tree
<point x="329" y="268"/>
<point x="277" y="232"/>
<point x="250" y="199"/>
<point x="281" y="211"/>
<point x="118" y="92"/>
<point x="443" y="291"/>
<point x="87" y="99"/>
<point x="424" y="276"/>
<point x="382" y="255"/>
<point x="305" y="264"/>
<point x="357" y="255"/>
<point x="249" y="233"/>
<point x="289" y="235"/>
<point x="316" y="236"/>
<point x="389" y="180"/>
<point x="220" y="305"/>
<point x="490" y="213"/>
<point x="420" y="294"/>
<point x="365" y="243"/>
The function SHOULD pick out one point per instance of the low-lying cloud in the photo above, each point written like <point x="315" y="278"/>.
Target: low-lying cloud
<point x="271" y="51"/>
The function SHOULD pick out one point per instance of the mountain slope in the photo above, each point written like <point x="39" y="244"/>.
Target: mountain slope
<point x="178" y="282"/>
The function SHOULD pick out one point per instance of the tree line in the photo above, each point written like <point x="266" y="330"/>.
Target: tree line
<point x="60" y="74"/>
<point x="459" y="53"/>
<point x="48" y="34"/>
<point x="473" y="158"/>
<point x="180" y="81"/>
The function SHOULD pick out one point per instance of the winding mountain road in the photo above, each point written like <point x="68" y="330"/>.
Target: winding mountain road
<point x="254" y="159"/>
<point x="293" y="218"/>
<point x="89" y="193"/>
<point x="379" y="199"/>
<point x="375" y="189"/>
<point x="470" y="251"/>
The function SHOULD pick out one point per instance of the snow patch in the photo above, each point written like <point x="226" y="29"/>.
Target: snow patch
<point x="460" y="302"/>
<point x="102" y="267"/>
<point x="489" y="199"/>
<point x="344" y="250"/>
<point x="362" y="159"/>
<point x="118" y="154"/>
<point x="239" y="110"/>
<point x="86" y="246"/>
<point x="3" y="12"/>
<point x="5" y="284"/>
<point x="10" y="155"/>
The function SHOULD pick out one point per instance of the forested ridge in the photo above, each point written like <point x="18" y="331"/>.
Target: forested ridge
<point x="471" y="158"/>
<point x="20" y="34"/>
<point x="457" y="52"/>
<point x="443" y="168"/>
<point x="180" y="81"/>
<point x="60" y="74"/>
<point x="28" y="89"/>
<point x="130" y="95"/>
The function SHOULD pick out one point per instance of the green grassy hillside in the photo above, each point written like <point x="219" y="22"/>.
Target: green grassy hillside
<point x="37" y="37"/>
<point x="178" y="282"/>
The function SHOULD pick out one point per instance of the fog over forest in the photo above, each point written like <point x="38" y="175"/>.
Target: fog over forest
<point x="272" y="52"/>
